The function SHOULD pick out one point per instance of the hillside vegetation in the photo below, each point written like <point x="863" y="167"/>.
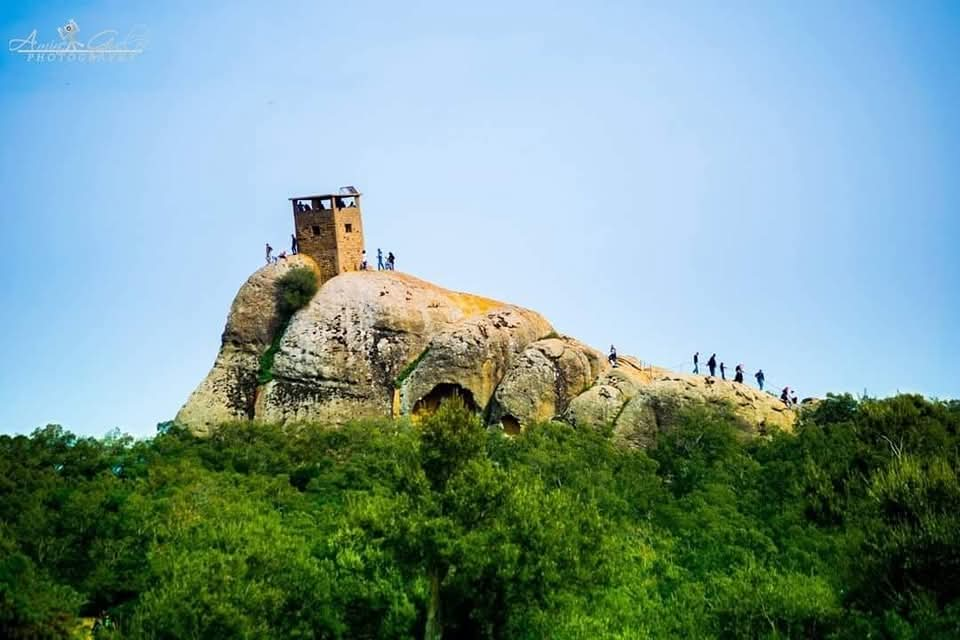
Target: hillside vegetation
<point x="848" y="528"/>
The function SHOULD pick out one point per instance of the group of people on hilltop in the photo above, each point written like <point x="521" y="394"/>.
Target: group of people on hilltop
<point x="738" y="371"/>
<point x="381" y="266"/>
<point x="388" y="265"/>
<point x="294" y="250"/>
<point x="788" y="397"/>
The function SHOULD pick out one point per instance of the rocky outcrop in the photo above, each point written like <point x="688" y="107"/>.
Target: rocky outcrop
<point x="544" y="378"/>
<point x="653" y="407"/>
<point x="472" y="357"/>
<point x="376" y="344"/>
<point x="229" y="390"/>
<point x="602" y="403"/>
<point x="373" y="344"/>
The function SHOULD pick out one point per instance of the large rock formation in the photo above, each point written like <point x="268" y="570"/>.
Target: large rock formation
<point x="384" y="343"/>
<point x="229" y="390"/>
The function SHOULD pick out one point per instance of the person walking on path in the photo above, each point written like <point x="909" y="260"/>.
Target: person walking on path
<point x="379" y="260"/>
<point x="696" y="362"/>
<point x="712" y="365"/>
<point x="760" y="378"/>
<point x="612" y="358"/>
<point x="723" y="371"/>
<point x="269" y="251"/>
<point x="294" y="244"/>
<point x="738" y="377"/>
<point x="391" y="261"/>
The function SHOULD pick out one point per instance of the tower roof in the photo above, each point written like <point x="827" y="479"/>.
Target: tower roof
<point x="344" y="192"/>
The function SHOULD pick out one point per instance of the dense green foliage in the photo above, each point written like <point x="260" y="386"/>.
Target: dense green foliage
<point x="850" y="528"/>
<point x="295" y="289"/>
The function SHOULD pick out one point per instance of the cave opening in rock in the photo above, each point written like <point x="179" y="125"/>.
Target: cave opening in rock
<point x="429" y="403"/>
<point x="511" y="426"/>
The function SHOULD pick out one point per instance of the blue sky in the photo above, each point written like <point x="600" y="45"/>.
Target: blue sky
<point x="775" y="182"/>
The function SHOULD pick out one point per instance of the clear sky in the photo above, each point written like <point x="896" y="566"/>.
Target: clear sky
<point x="776" y="182"/>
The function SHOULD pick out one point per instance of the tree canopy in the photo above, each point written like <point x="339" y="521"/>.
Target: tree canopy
<point x="847" y="528"/>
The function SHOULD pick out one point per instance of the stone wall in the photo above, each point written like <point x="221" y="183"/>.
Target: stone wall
<point x="333" y="238"/>
<point x="317" y="237"/>
<point x="349" y="243"/>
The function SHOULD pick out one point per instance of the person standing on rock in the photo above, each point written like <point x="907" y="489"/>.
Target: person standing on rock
<point x="379" y="260"/>
<point x="738" y="376"/>
<point x="712" y="365"/>
<point x="696" y="362"/>
<point x="723" y="371"/>
<point x="269" y="251"/>
<point x="391" y="261"/>
<point x="785" y="396"/>
<point x="760" y="378"/>
<point x="612" y="358"/>
<point x="294" y="245"/>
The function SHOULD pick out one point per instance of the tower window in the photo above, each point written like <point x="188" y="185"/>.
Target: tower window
<point x="349" y="227"/>
<point x="316" y="229"/>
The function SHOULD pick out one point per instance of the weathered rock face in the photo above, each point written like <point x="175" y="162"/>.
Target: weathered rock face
<point x="474" y="355"/>
<point x="653" y="408"/>
<point x="350" y="353"/>
<point x="384" y="343"/>
<point x="602" y="402"/>
<point x="229" y="390"/>
<point x="543" y="380"/>
<point x="343" y="356"/>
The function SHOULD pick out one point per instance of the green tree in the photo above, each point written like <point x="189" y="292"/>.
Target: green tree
<point x="32" y="605"/>
<point x="449" y="440"/>
<point x="295" y="289"/>
<point x="845" y="528"/>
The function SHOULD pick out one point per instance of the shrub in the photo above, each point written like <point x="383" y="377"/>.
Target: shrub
<point x="295" y="289"/>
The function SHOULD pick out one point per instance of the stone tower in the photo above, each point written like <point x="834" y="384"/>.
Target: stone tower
<point x="330" y="230"/>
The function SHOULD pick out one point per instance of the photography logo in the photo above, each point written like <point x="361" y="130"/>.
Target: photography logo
<point x="103" y="46"/>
